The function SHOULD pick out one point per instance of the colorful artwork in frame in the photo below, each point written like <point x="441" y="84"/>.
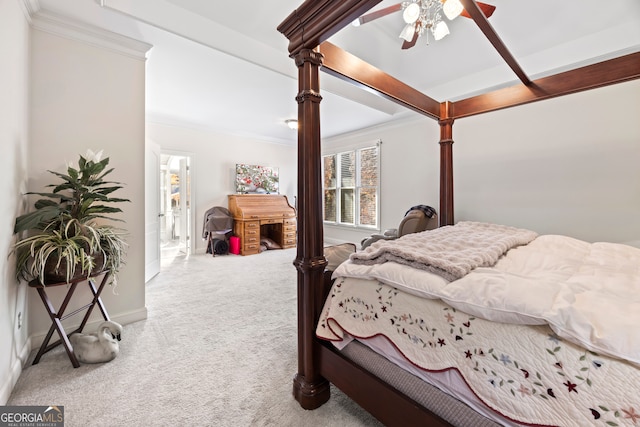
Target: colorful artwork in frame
<point x="256" y="179"/>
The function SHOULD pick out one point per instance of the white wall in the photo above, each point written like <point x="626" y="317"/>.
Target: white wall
<point x="85" y="95"/>
<point x="215" y="157"/>
<point x="14" y="55"/>
<point x="567" y="165"/>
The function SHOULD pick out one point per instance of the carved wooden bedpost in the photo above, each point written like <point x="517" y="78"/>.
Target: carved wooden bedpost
<point x="309" y="388"/>
<point x="446" y="164"/>
<point x="305" y="28"/>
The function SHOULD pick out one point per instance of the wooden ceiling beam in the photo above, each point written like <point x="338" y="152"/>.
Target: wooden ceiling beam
<point x="317" y="20"/>
<point x="601" y="74"/>
<point x="472" y="8"/>
<point x="348" y="67"/>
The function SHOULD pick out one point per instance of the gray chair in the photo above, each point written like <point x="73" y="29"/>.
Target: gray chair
<point x="218" y="222"/>
<point x="414" y="221"/>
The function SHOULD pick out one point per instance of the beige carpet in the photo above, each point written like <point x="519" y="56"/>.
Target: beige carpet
<point x="218" y="349"/>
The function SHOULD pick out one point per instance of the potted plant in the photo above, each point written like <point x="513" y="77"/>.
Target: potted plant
<point x="68" y="236"/>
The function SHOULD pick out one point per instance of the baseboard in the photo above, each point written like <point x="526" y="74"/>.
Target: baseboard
<point x="35" y="340"/>
<point x="16" y="370"/>
<point x="129" y="317"/>
<point x="122" y="318"/>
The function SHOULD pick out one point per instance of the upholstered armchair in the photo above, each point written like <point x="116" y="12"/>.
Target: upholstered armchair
<point x="414" y="221"/>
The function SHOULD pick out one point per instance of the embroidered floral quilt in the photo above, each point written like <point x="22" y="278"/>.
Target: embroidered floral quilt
<point x="524" y="372"/>
<point x="588" y="293"/>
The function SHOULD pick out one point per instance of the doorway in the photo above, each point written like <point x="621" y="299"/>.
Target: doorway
<point x="175" y="207"/>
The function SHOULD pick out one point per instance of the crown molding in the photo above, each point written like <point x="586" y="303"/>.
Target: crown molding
<point x="69" y="28"/>
<point x="29" y="8"/>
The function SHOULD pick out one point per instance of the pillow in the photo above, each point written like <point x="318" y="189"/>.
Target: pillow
<point x="337" y="254"/>
<point x="270" y="244"/>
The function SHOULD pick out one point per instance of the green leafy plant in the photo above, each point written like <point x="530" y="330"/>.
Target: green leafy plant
<point x="68" y="236"/>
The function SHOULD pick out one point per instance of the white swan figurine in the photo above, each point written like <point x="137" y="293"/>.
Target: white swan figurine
<point x="99" y="347"/>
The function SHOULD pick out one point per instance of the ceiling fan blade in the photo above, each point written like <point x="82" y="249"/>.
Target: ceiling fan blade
<point x="412" y="43"/>
<point x="379" y="13"/>
<point x="487" y="10"/>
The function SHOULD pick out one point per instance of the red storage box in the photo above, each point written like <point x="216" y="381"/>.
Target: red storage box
<point x="234" y="245"/>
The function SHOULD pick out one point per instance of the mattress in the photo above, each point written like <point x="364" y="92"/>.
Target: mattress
<point x="509" y="372"/>
<point x="547" y="335"/>
<point x="442" y="404"/>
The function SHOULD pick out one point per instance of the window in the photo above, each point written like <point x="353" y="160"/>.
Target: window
<point x="351" y="187"/>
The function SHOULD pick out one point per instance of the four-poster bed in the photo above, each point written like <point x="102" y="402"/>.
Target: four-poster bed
<point x="307" y="29"/>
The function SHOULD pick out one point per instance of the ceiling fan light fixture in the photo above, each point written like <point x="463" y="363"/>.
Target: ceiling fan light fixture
<point x="452" y="9"/>
<point x="411" y="13"/>
<point x="440" y="30"/>
<point x="408" y="32"/>
<point x="422" y="17"/>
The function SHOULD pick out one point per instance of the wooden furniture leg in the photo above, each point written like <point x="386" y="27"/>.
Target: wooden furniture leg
<point x="58" y="316"/>
<point x="96" y="301"/>
<point x="56" y="319"/>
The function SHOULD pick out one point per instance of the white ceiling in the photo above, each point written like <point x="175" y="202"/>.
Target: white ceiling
<point x="223" y="66"/>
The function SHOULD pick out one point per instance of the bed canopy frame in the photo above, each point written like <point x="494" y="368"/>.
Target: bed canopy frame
<point x="307" y="28"/>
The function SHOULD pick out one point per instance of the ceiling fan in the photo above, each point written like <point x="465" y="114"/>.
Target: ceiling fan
<point x="422" y="16"/>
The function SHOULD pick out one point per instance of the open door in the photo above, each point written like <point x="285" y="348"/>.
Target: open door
<point x="185" y="205"/>
<point x="176" y="216"/>
<point x="152" y="210"/>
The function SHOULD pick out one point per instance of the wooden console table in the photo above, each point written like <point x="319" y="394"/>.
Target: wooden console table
<point x="262" y="215"/>
<point x="58" y="317"/>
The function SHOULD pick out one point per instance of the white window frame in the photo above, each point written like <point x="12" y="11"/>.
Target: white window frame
<point x="337" y="153"/>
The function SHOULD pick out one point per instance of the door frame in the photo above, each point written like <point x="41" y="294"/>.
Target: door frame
<point x="152" y="210"/>
<point x="191" y="173"/>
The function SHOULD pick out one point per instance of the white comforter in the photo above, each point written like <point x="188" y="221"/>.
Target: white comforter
<point x="589" y="293"/>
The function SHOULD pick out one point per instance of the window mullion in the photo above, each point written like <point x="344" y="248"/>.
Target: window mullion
<point x="356" y="187"/>
<point x="358" y="182"/>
